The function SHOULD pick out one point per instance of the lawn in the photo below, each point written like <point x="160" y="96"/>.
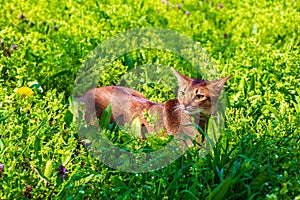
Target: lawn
<point x="44" y="44"/>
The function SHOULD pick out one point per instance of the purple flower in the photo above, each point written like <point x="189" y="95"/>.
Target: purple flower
<point x="187" y="13"/>
<point x="179" y="6"/>
<point x="31" y="24"/>
<point x="168" y="3"/>
<point x="164" y="1"/>
<point x="22" y="17"/>
<point x="14" y="47"/>
<point x="225" y="35"/>
<point x="6" y="52"/>
<point x="1" y="167"/>
<point x="220" y="5"/>
<point x="28" y="188"/>
<point x="55" y="28"/>
<point x="61" y="171"/>
<point x="27" y="194"/>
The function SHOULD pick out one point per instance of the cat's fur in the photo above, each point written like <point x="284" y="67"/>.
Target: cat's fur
<point x="196" y="98"/>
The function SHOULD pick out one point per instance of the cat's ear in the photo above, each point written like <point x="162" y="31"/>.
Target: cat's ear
<point x="217" y="86"/>
<point x="182" y="79"/>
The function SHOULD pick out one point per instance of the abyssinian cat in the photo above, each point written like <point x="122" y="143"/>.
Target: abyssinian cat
<point x="197" y="100"/>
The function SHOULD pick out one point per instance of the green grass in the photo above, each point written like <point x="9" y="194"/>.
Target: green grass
<point x="257" y="156"/>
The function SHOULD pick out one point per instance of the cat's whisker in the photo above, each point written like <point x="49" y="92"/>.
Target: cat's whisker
<point x="175" y="108"/>
<point x="177" y="105"/>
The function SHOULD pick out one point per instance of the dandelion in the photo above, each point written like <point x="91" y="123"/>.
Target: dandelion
<point x="26" y="91"/>
<point x="26" y="109"/>
<point x="62" y="171"/>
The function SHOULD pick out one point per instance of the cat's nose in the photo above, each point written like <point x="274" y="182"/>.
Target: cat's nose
<point x="185" y="105"/>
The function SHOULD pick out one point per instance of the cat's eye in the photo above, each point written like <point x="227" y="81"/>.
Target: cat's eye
<point x="199" y="96"/>
<point x="182" y="93"/>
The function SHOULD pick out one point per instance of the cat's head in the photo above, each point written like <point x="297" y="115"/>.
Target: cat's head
<point x="198" y="96"/>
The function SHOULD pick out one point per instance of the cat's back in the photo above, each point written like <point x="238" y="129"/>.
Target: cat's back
<point x="106" y="93"/>
<point x="122" y="99"/>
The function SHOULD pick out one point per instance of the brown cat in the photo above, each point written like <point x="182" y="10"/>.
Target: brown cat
<point x="197" y="99"/>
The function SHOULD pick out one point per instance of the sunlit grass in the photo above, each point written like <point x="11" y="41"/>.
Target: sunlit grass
<point x="257" y="156"/>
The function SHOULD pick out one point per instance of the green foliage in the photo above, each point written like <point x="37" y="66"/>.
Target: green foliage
<point x="257" y="156"/>
<point x="105" y="117"/>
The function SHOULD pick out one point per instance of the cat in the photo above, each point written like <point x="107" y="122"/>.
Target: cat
<point x="196" y="102"/>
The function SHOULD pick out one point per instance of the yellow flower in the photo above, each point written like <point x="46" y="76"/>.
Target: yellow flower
<point x="26" y="109"/>
<point x="26" y="91"/>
